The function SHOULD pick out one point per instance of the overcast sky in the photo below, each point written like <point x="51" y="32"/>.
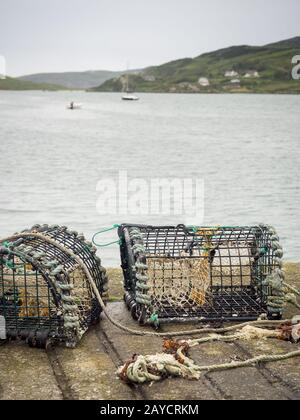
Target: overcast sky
<point x="65" y="35"/>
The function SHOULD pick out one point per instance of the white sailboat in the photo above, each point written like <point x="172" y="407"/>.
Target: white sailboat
<point x="129" y="95"/>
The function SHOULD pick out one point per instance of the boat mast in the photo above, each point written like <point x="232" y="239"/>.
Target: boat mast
<point x="127" y="87"/>
<point x="127" y="78"/>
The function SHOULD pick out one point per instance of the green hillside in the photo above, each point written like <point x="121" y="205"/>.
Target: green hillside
<point x="73" y="80"/>
<point x="15" y="84"/>
<point x="271" y="62"/>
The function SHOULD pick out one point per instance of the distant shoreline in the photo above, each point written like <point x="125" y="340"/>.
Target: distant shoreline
<point x="297" y="93"/>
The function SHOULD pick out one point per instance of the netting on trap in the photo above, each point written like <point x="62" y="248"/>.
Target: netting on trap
<point x="200" y="274"/>
<point x="45" y="295"/>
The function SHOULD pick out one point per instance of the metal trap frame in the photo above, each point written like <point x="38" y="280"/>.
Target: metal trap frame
<point x="45" y="296"/>
<point x="183" y="274"/>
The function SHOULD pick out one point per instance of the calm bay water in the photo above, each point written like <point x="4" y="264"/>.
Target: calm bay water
<point x="245" y="147"/>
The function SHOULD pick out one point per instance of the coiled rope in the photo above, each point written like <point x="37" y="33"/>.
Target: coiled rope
<point x="154" y="368"/>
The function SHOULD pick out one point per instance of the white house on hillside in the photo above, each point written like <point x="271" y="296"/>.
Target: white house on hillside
<point x="231" y="73"/>
<point x="251" y="73"/>
<point x="203" y="81"/>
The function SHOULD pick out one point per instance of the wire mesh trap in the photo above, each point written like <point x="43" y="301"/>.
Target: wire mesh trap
<point x="201" y="274"/>
<point x="45" y="295"/>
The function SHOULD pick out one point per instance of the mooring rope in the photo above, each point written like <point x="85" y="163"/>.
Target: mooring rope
<point x="174" y="361"/>
<point x="292" y="288"/>
<point x="154" y="368"/>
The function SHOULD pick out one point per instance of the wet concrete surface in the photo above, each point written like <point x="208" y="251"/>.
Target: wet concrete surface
<point x="89" y="371"/>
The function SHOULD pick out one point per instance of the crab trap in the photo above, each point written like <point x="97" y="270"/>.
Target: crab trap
<point x="201" y="274"/>
<point x="45" y="295"/>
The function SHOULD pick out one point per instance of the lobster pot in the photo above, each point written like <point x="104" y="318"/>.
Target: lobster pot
<point x="45" y="295"/>
<point x="201" y="274"/>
